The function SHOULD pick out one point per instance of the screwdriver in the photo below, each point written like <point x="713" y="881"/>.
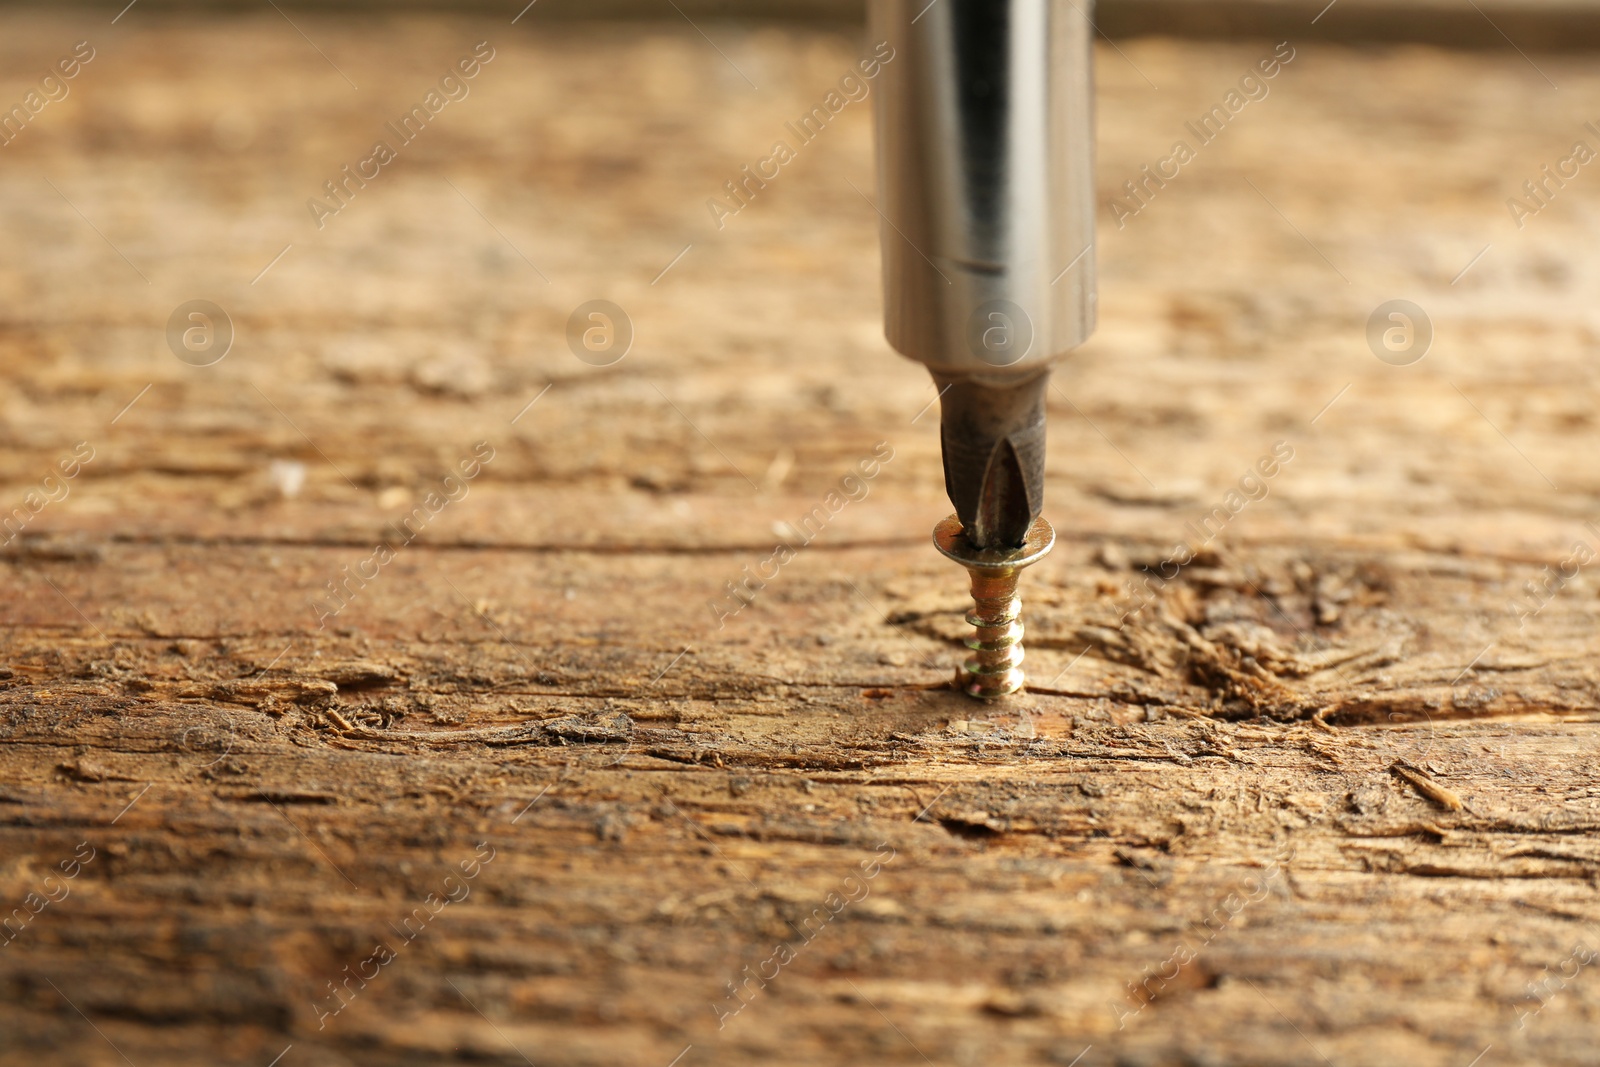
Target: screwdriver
<point x="985" y="131"/>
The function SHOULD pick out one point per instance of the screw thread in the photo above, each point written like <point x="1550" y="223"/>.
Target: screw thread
<point x="995" y="667"/>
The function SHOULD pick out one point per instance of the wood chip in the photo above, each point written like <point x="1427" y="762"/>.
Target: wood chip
<point x="1427" y="786"/>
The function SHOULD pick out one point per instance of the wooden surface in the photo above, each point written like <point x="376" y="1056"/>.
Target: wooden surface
<point x="1326" y="799"/>
<point x="1553" y="25"/>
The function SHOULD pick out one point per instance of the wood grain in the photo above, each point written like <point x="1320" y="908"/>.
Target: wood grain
<point x="1329" y="796"/>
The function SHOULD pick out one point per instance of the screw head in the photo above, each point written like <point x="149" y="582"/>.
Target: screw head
<point x="950" y="538"/>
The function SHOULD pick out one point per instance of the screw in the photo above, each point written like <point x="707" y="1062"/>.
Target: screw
<point x="995" y="668"/>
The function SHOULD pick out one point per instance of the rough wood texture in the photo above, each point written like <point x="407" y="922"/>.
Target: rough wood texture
<point x="1558" y="25"/>
<point x="1327" y="798"/>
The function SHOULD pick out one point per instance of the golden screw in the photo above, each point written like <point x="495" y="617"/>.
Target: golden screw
<point x="995" y="668"/>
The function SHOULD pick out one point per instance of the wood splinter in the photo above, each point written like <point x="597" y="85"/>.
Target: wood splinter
<point x="1430" y="789"/>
